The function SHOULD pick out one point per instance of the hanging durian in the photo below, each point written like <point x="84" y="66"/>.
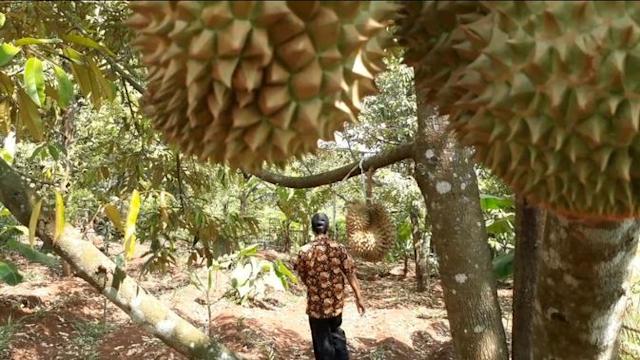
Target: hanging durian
<point x="547" y="93"/>
<point x="247" y="82"/>
<point x="370" y="232"/>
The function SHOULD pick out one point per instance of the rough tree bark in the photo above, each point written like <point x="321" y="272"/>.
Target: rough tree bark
<point x="446" y="177"/>
<point x="529" y="230"/>
<point x="582" y="287"/>
<point x="99" y="271"/>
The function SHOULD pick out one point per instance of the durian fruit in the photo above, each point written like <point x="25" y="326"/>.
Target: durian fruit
<point x="248" y="82"/>
<point x="370" y="232"/>
<point x="548" y="92"/>
<point x="432" y="32"/>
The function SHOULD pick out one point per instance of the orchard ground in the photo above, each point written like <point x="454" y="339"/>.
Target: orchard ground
<point x="52" y="317"/>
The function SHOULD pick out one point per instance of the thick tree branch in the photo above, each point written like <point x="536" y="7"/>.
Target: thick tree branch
<point x="99" y="271"/>
<point x="374" y="162"/>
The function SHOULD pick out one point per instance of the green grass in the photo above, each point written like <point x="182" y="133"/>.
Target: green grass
<point x="6" y="333"/>
<point x="88" y="337"/>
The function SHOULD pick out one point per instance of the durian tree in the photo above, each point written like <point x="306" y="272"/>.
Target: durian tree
<point x="50" y="67"/>
<point x="454" y="213"/>
<point x="545" y="93"/>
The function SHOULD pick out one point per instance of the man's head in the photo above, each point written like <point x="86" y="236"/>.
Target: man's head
<point x="320" y="223"/>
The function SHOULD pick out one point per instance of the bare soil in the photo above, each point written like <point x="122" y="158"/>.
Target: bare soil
<point x="55" y="317"/>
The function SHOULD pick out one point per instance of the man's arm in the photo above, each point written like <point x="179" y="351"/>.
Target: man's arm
<point x="349" y="270"/>
<point x="355" y="285"/>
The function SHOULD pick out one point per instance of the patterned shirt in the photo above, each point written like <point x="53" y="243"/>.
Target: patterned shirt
<point x="321" y="265"/>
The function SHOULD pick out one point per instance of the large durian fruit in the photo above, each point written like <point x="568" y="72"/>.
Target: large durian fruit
<point x="370" y="232"/>
<point x="548" y="92"/>
<point x="248" y="82"/>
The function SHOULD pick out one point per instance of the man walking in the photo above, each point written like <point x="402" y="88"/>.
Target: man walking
<point x="322" y="265"/>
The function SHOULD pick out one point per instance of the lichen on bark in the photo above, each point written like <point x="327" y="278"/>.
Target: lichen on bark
<point x="582" y="287"/>
<point x="448" y="183"/>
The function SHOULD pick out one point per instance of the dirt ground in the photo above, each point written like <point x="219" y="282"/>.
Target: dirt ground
<point x="52" y="317"/>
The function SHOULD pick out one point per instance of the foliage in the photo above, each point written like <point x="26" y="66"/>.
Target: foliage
<point x="7" y="330"/>
<point x="388" y="118"/>
<point x="96" y="156"/>
<point x="9" y="274"/>
<point x="252" y="278"/>
<point x="89" y="336"/>
<point x="39" y="62"/>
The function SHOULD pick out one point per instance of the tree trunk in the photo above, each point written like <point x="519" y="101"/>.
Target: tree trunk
<point x="447" y="180"/>
<point x="99" y="271"/>
<point x="529" y="230"/>
<point x="287" y="236"/>
<point x="418" y="252"/>
<point x="405" y="269"/>
<point x="583" y="283"/>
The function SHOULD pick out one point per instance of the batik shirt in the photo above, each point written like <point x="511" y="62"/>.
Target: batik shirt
<point x="322" y="266"/>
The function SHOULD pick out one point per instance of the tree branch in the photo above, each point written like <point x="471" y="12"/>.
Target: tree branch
<point x="125" y="75"/>
<point x="374" y="162"/>
<point x="110" y="280"/>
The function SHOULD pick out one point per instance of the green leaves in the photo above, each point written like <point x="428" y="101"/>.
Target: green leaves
<point x="3" y="18"/>
<point x="9" y="273"/>
<point x="89" y="78"/>
<point x="29" y="115"/>
<point x="84" y="41"/>
<point x="33" y="222"/>
<point x="490" y="202"/>
<point x="285" y="275"/>
<point x="404" y="231"/>
<point x="34" y="41"/>
<point x="501" y="225"/>
<point x="34" y="80"/>
<point x="251" y="250"/>
<point x="65" y="87"/>
<point x="60" y="221"/>
<point x="31" y="254"/>
<point x="7" y="53"/>
<point x="130" y="226"/>
<point x="503" y="266"/>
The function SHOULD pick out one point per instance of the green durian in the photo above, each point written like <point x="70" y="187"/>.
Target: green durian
<point x="249" y="82"/>
<point x="546" y="91"/>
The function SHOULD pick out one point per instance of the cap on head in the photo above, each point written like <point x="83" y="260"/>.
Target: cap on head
<point x="320" y="223"/>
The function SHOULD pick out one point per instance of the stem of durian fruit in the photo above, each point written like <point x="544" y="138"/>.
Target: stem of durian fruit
<point x="582" y="287"/>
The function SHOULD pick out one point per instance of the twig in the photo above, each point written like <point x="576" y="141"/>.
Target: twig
<point x="28" y="177"/>
<point x="117" y="67"/>
<point x="179" y="178"/>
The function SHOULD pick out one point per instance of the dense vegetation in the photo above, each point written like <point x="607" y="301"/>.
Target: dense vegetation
<point x="72" y="128"/>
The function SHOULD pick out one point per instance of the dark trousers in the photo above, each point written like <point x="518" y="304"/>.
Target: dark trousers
<point x="329" y="340"/>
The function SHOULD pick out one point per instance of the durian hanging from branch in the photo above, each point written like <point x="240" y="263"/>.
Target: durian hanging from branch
<point x="548" y="92"/>
<point x="248" y="82"/>
<point x="370" y="231"/>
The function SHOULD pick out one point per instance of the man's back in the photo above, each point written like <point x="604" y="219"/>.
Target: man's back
<point x="322" y="266"/>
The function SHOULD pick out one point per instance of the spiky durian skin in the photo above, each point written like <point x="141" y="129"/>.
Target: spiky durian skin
<point x="248" y="82"/>
<point x="370" y="232"/>
<point x="548" y="94"/>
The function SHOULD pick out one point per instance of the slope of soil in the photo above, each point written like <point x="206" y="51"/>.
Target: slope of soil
<point x="52" y="317"/>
